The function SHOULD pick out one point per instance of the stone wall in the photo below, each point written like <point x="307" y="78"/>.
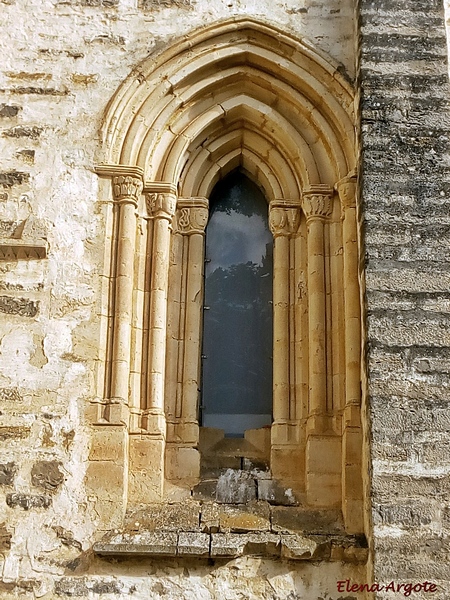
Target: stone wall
<point x="405" y="214"/>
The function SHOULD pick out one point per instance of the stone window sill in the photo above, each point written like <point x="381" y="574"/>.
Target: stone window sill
<point x="223" y="531"/>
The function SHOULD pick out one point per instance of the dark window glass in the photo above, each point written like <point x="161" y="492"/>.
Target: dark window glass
<point x="237" y="331"/>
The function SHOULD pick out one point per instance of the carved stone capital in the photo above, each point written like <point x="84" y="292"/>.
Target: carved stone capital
<point x="127" y="181"/>
<point x="127" y="188"/>
<point x="161" y="205"/>
<point x="284" y="217"/>
<point x="317" y="202"/>
<point x="192" y="216"/>
<point x="346" y="189"/>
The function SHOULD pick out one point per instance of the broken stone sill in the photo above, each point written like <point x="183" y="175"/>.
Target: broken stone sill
<point x="315" y="548"/>
<point x="227" y="531"/>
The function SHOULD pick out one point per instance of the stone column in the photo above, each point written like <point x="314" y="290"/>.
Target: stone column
<point x="161" y="207"/>
<point x="284" y="219"/>
<point x="127" y="187"/>
<point x="317" y="207"/>
<point x="192" y="222"/>
<point x="183" y="460"/>
<point x="107" y="473"/>
<point x="347" y="195"/>
<point x="352" y="491"/>
<point x="323" y="447"/>
<point x="147" y="447"/>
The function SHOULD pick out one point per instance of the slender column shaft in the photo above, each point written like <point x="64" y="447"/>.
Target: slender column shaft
<point x="138" y="320"/>
<point x="316" y="287"/>
<point x="301" y="329"/>
<point x="126" y="191"/>
<point x="337" y="399"/>
<point x="173" y="324"/>
<point x="281" y="329"/>
<point x="161" y="206"/>
<point x="194" y="223"/>
<point x="347" y="193"/>
<point x="317" y="207"/>
<point x="284" y="217"/>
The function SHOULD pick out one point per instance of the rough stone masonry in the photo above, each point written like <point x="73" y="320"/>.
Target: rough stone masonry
<point x="62" y="61"/>
<point x="404" y="216"/>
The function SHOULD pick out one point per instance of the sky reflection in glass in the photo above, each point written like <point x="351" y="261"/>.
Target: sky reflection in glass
<point x="237" y="342"/>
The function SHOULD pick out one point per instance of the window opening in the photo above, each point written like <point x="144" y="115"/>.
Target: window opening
<point x="238" y="320"/>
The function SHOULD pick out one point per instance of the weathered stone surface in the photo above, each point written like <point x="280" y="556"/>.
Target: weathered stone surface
<point x="297" y="547"/>
<point x="13" y="432"/>
<point x="27" y="155"/>
<point x="146" y="542"/>
<point x="165" y="517"/>
<point x="405" y="194"/>
<point x="18" y="306"/>
<point x="231" y="545"/>
<point x="205" y="490"/>
<point x="294" y="519"/>
<point x="80" y="586"/>
<point x="193" y="544"/>
<point x="27" y="501"/>
<point x="5" y="538"/>
<point x="40" y="91"/>
<point x="100" y="3"/>
<point x="227" y="544"/>
<point x="67" y="538"/>
<point x="10" y="178"/>
<point x="235" y="487"/>
<point x="21" y="587"/>
<point x="165" y="3"/>
<point x="8" y="110"/>
<point x="47" y="475"/>
<point x="21" y="131"/>
<point x="252" y="517"/>
<point x="210" y="516"/>
<point x="7" y="472"/>
<point x="271" y="491"/>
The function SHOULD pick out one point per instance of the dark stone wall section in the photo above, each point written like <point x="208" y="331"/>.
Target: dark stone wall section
<point x="405" y="184"/>
<point x="18" y="306"/>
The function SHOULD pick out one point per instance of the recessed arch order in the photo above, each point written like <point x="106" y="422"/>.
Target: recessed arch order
<point x="240" y="96"/>
<point x="236" y="94"/>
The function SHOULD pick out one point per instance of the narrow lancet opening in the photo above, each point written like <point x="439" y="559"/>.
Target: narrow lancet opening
<point x="237" y="331"/>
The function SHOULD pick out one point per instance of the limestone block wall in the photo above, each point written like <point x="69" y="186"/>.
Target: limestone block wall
<point x="405" y="215"/>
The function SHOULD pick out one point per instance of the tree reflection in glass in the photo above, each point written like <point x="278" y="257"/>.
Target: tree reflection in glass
<point x="237" y="330"/>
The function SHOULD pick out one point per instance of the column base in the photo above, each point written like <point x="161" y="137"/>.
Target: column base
<point x="146" y="462"/>
<point x="320" y="424"/>
<point x="286" y="433"/>
<point x="116" y="412"/>
<point x="154" y="423"/>
<point x="323" y="471"/>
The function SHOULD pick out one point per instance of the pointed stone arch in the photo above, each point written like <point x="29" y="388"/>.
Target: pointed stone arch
<point x="238" y="94"/>
<point x="237" y="75"/>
